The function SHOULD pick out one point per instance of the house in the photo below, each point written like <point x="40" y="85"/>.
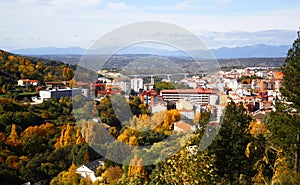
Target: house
<point x="57" y="85"/>
<point x="27" y="82"/>
<point x="89" y="169"/>
<point x="181" y="126"/>
<point x="157" y="107"/>
<point x="185" y="108"/>
<point x="267" y="85"/>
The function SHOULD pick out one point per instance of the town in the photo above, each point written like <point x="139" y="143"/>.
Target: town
<point x="257" y="88"/>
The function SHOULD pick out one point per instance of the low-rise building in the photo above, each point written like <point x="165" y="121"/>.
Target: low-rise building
<point x="181" y="126"/>
<point x="58" y="93"/>
<point x="195" y="96"/>
<point x="57" y="85"/>
<point x="89" y="169"/>
<point x="27" y="82"/>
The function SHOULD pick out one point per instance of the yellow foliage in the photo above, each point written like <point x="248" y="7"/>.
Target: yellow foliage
<point x="123" y="138"/>
<point x="170" y="117"/>
<point x="280" y="167"/>
<point x="133" y="141"/>
<point x="144" y="117"/>
<point x="13" y="138"/>
<point x="79" y="138"/>
<point x="69" y="135"/>
<point x="136" y="168"/>
<point x="258" y="128"/>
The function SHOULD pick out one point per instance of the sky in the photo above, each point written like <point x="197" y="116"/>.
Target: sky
<point x="218" y="23"/>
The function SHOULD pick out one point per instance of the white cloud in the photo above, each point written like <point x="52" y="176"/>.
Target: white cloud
<point x="242" y="38"/>
<point x="119" y="6"/>
<point x="56" y="21"/>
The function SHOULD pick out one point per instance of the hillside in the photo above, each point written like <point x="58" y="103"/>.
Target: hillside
<point x="120" y="61"/>
<point x="14" y="67"/>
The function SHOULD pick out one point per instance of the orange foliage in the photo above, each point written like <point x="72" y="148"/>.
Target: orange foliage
<point x="136" y="168"/>
<point x="112" y="174"/>
<point x="69" y="135"/>
<point x="13" y="138"/>
<point x="42" y="130"/>
<point x="170" y="117"/>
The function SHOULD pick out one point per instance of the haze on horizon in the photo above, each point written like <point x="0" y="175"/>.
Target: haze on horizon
<point x="219" y="23"/>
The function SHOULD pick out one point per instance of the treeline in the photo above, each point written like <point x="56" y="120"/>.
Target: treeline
<point x="120" y="61"/>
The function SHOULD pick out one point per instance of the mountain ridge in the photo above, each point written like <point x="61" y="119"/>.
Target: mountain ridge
<point x="250" y="51"/>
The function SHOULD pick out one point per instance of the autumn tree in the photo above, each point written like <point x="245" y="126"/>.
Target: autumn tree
<point x="187" y="166"/>
<point x="67" y="73"/>
<point x="67" y="177"/>
<point x="13" y="138"/>
<point x="136" y="168"/>
<point x="112" y="174"/>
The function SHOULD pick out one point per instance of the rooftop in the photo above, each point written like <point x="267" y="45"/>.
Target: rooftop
<point x="187" y="91"/>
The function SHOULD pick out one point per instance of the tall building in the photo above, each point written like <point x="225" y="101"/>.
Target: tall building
<point x="137" y="84"/>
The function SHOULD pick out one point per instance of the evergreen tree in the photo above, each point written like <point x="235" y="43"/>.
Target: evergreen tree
<point x="284" y="124"/>
<point x="229" y="147"/>
<point x="291" y="79"/>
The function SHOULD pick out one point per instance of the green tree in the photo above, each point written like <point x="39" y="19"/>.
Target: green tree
<point x="185" y="167"/>
<point x="284" y="123"/>
<point x="291" y="79"/>
<point x="158" y="86"/>
<point x="229" y="146"/>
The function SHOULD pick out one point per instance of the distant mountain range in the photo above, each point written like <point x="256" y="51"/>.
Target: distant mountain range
<point x="50" y="51"/>
<point x="253" y="51"/>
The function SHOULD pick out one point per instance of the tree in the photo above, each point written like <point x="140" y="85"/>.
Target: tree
<point x="158" y="86"/>
<point x="67" y="73"/>
<point x="291" y="89"/>
<point x="284" y="123"/>
<point x="112" y="174"/>
<point x="291" y="79"/>
<point x="185" y="167"/>
<point x="13" y="138"/>
<point x="230" y="144"/>
<point x="136" y="168"/>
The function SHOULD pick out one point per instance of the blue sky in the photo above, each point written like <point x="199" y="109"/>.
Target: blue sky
<point x="64" y="23"/>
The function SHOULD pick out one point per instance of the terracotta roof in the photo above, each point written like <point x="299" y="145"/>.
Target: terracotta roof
<point x="183" y="126"/>
<point x="28" y="80"/>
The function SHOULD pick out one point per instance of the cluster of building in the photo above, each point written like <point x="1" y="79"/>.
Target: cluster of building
<point x="256" y="87"/>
